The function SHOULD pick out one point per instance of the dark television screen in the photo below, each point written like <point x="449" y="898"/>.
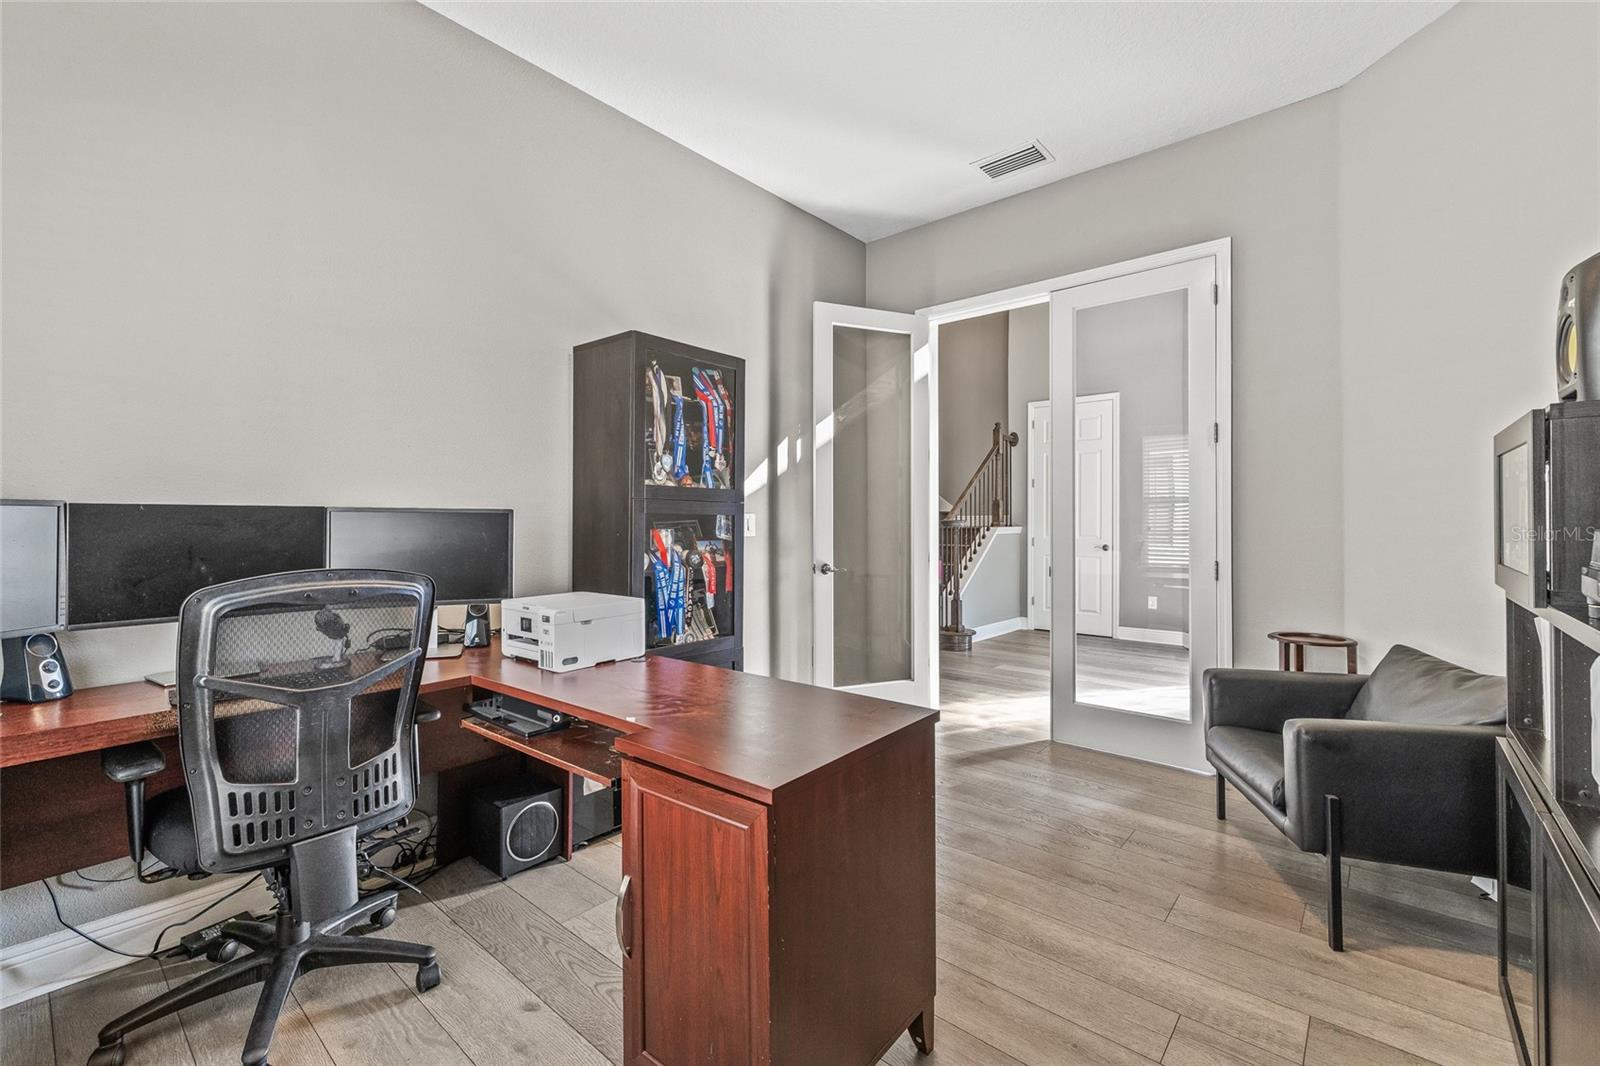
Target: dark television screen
<point x="131" y="563"/>
<point x="466" y="552"/>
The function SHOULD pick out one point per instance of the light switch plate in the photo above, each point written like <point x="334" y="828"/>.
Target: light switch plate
<point x="1152" y="603"/>
<point x="749" y="525"/>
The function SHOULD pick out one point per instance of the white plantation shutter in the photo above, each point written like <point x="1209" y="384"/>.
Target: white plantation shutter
<point x="1166" y="502"/>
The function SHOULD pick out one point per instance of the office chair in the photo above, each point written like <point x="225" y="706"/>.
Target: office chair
<point x="296" y="727"/>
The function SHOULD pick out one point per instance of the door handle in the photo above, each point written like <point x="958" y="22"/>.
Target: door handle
<point x="828" y="568"/>
<point x="624" y="917"/>
<point x="1103" y="547"/>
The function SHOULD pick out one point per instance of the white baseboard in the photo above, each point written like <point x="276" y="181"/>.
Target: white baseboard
<point x="64" y="958"/>
<point x="1153" y="636"/>
<point x="995" y="629"/>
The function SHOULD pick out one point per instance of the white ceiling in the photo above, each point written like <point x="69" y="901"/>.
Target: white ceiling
<point x="869" y="115"/>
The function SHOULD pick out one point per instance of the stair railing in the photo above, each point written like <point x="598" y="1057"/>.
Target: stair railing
<point x="984" y="504"/>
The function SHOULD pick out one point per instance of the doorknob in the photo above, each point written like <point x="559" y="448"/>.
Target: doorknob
<point x="1103" y="547"/>
<point x="829" y="568"/>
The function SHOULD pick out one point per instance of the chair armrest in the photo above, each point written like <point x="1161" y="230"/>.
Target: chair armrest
<point x="130" y="765"/>
<point x="1416" y="794"/>
<point x="1265" y="699"/>
<point x="132" y="762"/>
<point x="426" y="714"/>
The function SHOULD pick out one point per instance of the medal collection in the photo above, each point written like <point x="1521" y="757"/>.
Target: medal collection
<point x="689" y="441"/>
<point x="686" y="572"/>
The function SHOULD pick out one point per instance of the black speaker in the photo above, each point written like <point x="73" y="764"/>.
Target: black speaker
<point x="477" y="631"/>
<point x="515" y="824"/>
<point x="1578" y="333"/>
<point x="596" y="812"/>
<point x="35" y="669"/>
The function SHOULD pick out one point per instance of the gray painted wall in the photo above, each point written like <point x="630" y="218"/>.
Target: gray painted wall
<point x="1136" y="349"/>
<point x="272" y="253"/>
<point x="1469" y="184"/>
<point x="972" y="396"/>
<point x="993" y="593"/>
<point x="1270" y="184"/>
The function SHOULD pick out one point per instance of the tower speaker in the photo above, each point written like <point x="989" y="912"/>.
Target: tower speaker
<point x="477" y="630"/>
<point x="515" y="824"/>
<point x="35" y="669"/>
<point x="1578" y="333"/>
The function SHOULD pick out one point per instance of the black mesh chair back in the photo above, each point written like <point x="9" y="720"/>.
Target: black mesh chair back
<point x="296" y="694"/>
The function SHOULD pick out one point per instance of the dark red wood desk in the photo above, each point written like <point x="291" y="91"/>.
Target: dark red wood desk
<point x="778" y="849"/>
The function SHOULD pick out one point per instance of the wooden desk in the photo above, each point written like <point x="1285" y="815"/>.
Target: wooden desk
<point x="778" y="844"/>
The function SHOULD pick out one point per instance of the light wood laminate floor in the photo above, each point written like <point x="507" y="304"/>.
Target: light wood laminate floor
<point x="1091" y="910"/>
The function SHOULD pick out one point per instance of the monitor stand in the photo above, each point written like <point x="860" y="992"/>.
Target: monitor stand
<point x="437" y="650"/>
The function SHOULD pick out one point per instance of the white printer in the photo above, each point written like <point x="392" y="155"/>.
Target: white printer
<point x="572" y="630"/>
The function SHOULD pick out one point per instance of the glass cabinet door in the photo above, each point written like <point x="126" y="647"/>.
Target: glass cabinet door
<point x="1518" y="917"/>
<point x="689" y="577"/>
<point x="689" y="437"/>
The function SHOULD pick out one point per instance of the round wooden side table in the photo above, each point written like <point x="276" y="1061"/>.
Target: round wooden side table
<point x="1289" y="640"/>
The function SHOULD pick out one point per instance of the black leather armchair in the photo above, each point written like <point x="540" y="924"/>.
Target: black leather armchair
<point x="1396" y="768"/>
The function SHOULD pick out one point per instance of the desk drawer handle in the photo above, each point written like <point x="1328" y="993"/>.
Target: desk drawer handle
<point x="624" y="919"/>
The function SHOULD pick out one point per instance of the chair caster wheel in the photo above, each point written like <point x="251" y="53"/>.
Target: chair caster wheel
<point x="224" y="950"/>
<point x="383" y="919"/>
<point x="428" y="976"/>
<point x="106" y="1055"/>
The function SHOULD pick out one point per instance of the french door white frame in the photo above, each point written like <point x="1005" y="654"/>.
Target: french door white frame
<point x="1185" y="750"/>
<point x="1041" y="607"/>
<point x="922" y="688"/>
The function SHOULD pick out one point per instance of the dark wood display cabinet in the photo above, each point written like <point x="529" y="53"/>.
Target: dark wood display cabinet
<point x="1549" y="761"/>
<point x="658" y="489"/>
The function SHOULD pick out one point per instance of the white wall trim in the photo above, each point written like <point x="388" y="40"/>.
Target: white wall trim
<point x="63" y="958"/>
<point x="1000" y="628"/>
<point x="1153" y="636"/>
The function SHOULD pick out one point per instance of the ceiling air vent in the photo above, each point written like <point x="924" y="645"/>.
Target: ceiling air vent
<point x="998" y="166"/>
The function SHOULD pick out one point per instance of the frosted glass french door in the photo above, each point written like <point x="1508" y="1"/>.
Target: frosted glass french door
<point x="873" y="573"/>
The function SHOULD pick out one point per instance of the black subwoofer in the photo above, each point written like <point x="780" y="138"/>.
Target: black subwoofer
<point x="1578" y="333"/>
<point x="515" y="824"/>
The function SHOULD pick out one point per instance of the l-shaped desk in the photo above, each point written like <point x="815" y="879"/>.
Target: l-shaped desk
<point x="777" y="904"/>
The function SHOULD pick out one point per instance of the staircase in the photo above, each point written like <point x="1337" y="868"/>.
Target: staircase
<point x="984" y="504"/>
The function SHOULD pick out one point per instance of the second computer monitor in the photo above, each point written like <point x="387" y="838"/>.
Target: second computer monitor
<point x="466" y="552"/>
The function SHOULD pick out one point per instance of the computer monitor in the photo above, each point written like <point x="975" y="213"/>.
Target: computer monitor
<point x="135" y="563"/>
<point x="467" y="552"/>
<point x="33" y="567"/>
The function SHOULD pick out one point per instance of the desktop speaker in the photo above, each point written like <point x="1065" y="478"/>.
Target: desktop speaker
<point x="515" y="824"/>
<point x="1578" y="333"/>
<point x="35" y="669"/>
<point x="477" y="630"/>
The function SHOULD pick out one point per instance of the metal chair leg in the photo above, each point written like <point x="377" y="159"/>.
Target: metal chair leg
<point x="1222" y="798"/>
<point x="1334" y="820"/>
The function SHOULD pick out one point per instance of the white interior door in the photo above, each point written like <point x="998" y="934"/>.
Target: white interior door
<point x="875" y="622"/>
<point x="1039" y="583"/>
<point x="1095" y="543"/>
<point x="1152" y="336"/>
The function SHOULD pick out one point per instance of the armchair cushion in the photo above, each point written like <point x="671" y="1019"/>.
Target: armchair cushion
<point x="1413" y="686"/>
<point x="1253" y="755"/>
